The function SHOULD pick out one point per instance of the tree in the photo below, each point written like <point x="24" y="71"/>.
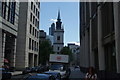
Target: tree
<point x="66" y="51"/>
<point x="45" y="50"/>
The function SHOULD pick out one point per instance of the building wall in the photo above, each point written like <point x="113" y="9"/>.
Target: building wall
<point x="58" y="44"/>
<point x="9" y="28"/>
<point x="102" y="36"/>
<point x="28" y="35"/>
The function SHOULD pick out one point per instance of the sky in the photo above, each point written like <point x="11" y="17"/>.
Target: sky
<point x="69" y="13"/>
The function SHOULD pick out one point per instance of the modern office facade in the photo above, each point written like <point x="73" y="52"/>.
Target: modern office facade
<point x="52" y="29"/>
<point x="9" y="13"/>
<point x="100" y="36"/>
<point x="28" y="35"/>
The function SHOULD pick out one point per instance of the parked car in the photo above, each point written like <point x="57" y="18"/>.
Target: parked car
<point x="55" y="74"/>
<point x="5" y="74"/>
<point x="40" y="69"/>
<point x="40" y="77"/>
<point x="26" y="70"/>
<point x="64" y="70"/>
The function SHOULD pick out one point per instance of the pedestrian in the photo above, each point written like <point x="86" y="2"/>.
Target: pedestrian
<point x="91" y="75"/>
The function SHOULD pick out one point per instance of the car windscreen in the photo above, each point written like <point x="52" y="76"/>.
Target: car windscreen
<point x="56" y="67"/>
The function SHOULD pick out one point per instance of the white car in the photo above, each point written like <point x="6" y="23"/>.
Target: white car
<point x="62" y="69"/>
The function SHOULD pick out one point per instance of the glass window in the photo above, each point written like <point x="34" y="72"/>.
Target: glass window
<point x="33" y="31"/>
<point x="3" y="9"/>
<point x="13" y="7"/>
<point x="31" y="17"/>
<point x="58" y="37"/>
<point x="34" y="9"/>
<point x="32" y="44"/>
<point x="36" y="12"/>
<point x="29" y="43"/>
<point x="58" y="48"/>
<point x="31" y="5"/>
<point x="38" y="24"/>
<point x="35" y="46"/>
<point x="30" y="28"/>
<point x="38" y="4"/>
<point x="35" y="22"/>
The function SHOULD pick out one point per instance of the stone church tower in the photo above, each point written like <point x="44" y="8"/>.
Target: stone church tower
<point x="58" y="36"/>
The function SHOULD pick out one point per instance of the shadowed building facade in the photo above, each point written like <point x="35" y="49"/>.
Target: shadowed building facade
<point x="9" y="13"/>
<point x="100" y="36"/>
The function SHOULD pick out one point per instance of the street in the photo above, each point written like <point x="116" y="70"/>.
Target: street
<point x="76" y="74"/>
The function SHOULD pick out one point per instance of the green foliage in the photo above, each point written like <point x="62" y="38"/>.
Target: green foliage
<point x="45" y="50"/>
<point x="66" y="51"/>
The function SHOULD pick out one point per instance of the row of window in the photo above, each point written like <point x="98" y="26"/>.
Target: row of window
<point x="10" y="15"/>
<point x="34" y="20"/>
<point x="34" y="31"/>
<point x="33" y="45"/>
<point x="35" y="10"/>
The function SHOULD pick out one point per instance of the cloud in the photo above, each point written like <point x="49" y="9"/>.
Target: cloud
<point x="54" y="20"/>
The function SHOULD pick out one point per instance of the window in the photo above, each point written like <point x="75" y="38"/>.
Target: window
<point x="29" y="43"/>
<point x="31" y="5"/>
<point x="38" y="14"/>
<point x="30" y="28"/>
<point x="35" y="22"/>
<point x="35" y="46"/>
<point x="38" y="24"/>
<point x="37" y="33"/>
<point x="4" y="9"/>
<point x="33" y="30"/>
<point x="34" y="9"/>
<point x="58" y="48"/>
<point x="38" y="4"/>
<point x="31" y="17"/>
<point x="11" y="12"/>
<point x="32" y="44"/>
<point x="58" y="37"/>
<point x="13" y="6"/>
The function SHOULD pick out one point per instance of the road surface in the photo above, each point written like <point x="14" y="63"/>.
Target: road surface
<point x="76" y="74"/>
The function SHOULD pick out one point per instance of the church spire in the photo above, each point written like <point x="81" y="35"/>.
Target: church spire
<point x="58" y="23"/>
<point x="58" y="15"/>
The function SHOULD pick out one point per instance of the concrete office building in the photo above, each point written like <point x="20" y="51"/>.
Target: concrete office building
<point x="75" y="53"/>
<point x="28" y="35"/>
<point x="9" y="13"/>
<point x="100" y="36"/>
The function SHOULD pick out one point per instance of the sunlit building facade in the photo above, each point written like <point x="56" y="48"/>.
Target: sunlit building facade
<point x="28" y="35"/>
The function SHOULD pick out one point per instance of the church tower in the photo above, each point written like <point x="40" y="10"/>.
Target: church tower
<point x="58" y="36"/>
